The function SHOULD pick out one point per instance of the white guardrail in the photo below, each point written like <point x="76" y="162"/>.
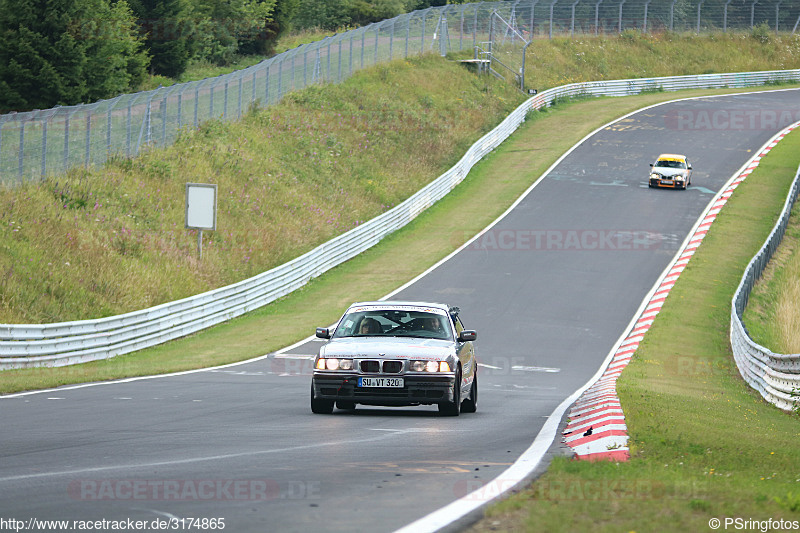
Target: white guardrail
<point x="30" y="345"/>
<point x="775" y="376"/>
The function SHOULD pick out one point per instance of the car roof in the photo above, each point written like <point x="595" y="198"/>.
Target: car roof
<point x="392" y="303"/>
<point x="672" y="157"/>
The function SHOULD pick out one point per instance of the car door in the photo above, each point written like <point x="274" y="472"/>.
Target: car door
<point x="466" y="354"/>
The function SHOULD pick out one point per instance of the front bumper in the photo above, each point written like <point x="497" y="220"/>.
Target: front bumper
<point x="668" y="183"/>
<point x="416" y="390"/>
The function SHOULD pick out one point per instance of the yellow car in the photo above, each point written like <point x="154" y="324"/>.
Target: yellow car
<point x="671" y="170"/>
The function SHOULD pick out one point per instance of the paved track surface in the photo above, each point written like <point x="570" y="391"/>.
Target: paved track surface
<point x="549" y="289"/>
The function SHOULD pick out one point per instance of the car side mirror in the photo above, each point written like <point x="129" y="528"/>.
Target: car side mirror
<point x="651" y="164"/>
<point x="467" y="335"/>
<point x="323" y="333"/>
<point x="690" y="167"/>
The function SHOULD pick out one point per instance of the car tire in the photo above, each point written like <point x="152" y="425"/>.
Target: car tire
<point x="470" y="405"/>
<point x="320" y="406"/>
<point x="345" y="404"/>
<point x="453" y="408"/>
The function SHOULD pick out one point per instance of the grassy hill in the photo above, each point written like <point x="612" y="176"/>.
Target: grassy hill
<point x="109" y="240"/>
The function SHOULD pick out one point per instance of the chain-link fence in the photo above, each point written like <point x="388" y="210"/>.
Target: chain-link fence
<point x="36" y="143"/>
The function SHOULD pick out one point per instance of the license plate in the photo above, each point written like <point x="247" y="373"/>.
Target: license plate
<point x="381" y="382"/>
<point x="666" y="182"/>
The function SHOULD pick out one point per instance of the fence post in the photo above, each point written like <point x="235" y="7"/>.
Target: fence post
<point x="266" y="84"/>
<point x="196" y="102"/>
<point x="551" y="18"/>
<point x="66" y="141"/>
<point x="21" y="162"/>
<point x="363" y="37"/>
<point x="777" y="14"/>
<point x="408" y="34"/>
<point x="211" y="102"/>
<point x="88" y="136"/>
<point x="619" y="28"/>
<point x="377" y="36"/>
<point x="239" y="107"/>
<point x="725" y="16"/>
<point x="391" y="40"/>
<point x="339" y="76"/>
<point x="294" y="55"/>
<point x="164" y="120"/>
<point x="572" y="19"/>
<point x="280" y="80"/>
<point x="699" y="5"/>
<point x="597" y="17"/>
<point x="646" y="5"/>
<point x="44" y="148"/>
<point x="225" y="101"/>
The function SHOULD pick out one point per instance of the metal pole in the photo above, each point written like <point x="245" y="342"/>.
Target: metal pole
<point x="619" y="30"/>
<point x="199" y="244"/>
<point x="699" y="5"/>
<point x="672" y="15"/>
<point x="44" y="148"/>
<point x="66" y="142"/>
<point x="377" y="37"/>
<point x="239" y="109"/>
<point x="551" y="19"/>
<point x="753" y="14"/>
<point x="597" y="17"/>
<point x="777" y="13"/>
<point x="21" y="148"/>
<point x="646" y="4"/>
<point x="725" y="17"/>
<point x="572" y="21"/>
<point x="88" y="136"/>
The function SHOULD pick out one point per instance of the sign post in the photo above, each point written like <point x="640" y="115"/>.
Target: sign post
<point x="201" y="210"/>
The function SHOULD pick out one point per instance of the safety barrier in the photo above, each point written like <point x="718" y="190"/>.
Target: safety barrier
<point x="26" y="345"/>
<point x="775" y="376"/>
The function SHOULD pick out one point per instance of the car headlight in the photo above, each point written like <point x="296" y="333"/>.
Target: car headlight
<point x="655" y="176"/>
<point x="430" y="366"/>
<point x="333" y="363"/>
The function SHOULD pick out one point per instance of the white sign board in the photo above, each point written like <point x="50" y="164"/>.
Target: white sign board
<point x="201" y="206"/>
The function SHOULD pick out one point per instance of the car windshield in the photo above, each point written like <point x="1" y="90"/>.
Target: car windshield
<point x="394" y="323"/>
<point x="670" y="163"/>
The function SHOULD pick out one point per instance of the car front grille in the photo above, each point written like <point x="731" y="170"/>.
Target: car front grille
<point x="370" y="366"/>
<point x="387" y="367"/>
<point x="392" y="367"/>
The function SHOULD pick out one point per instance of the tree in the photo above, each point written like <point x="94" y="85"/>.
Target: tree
<point x="168" y="29"/>
<point x="63" y="52"/>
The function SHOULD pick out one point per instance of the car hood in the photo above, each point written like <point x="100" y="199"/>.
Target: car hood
<point x="670" y="172"/>
<point x="388" y="347"/>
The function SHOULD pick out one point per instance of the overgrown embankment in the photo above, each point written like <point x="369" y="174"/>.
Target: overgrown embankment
<point x="109" y="240"/>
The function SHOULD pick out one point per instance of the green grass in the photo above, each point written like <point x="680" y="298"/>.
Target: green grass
<point x="637" y="55"/>
<point x="486" y="192"/>
<point x="199" y="70"/>
<point x="703" y="444"/>
<point x="772" y="315"/>
<point x="104" y="241"/>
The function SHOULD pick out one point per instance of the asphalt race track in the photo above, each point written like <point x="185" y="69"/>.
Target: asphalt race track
<point x="550" y="289"/>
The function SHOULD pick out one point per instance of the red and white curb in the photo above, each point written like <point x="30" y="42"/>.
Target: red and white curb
<point x="596" y="429"/>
